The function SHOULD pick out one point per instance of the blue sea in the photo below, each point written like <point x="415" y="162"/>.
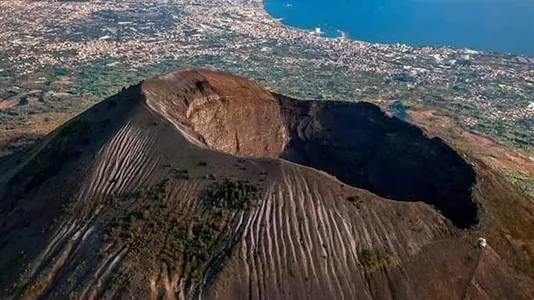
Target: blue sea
<point x="489" y="25"/>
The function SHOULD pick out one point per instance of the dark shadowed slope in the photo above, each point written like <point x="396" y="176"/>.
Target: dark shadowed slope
<point x="363" y="147"/>
<point x="202" y="184"/>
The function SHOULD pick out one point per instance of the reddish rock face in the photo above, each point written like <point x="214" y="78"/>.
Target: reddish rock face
<point x="199" y="184"/>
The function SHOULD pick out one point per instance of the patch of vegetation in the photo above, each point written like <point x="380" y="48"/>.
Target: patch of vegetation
<point x="179" y="174"/>
<point x="209" y="177"/>
<point x="229" y="194"/>
<point x="399" y="110"/>
<point x="525" y="184"/>
<point x="352" y="198"/>
<point x="158" y="191"/>
<point x="24" y="274"/>
<point x="374" y="259"/>
<point x="189" y="244"/>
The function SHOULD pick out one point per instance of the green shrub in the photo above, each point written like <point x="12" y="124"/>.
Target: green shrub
<point x="179" y="174"/>
<point x="229" y="194"/>
<point x="374" y="259"/>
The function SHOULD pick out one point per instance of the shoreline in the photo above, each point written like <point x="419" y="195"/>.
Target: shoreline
<point x="261" y="5"/>
<point x="346" y="36"/>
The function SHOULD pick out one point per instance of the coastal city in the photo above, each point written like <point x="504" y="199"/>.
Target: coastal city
<point x="267" y="149"/>
<point x="84" y="51"/>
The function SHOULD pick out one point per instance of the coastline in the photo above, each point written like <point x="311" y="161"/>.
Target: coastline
<point x="343" y="34"/>
<point x="279" y="21"/>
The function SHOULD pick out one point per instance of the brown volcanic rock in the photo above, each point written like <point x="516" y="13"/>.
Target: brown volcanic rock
<point x="222" y="111"/>
<point x="203" y="184"/>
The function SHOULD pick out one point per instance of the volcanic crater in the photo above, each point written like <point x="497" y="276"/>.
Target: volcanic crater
<point x="355" y="142"/>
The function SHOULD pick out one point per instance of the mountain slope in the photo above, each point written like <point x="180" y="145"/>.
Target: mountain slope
<point x="203" y="184"/>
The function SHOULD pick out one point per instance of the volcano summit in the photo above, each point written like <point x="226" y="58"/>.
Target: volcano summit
<point x="200" y="184"/>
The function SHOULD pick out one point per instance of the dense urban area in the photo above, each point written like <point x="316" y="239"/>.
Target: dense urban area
<point x="59" y="57"/>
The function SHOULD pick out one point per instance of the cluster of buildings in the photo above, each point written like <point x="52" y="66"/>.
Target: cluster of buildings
<point x="74" y="34"/>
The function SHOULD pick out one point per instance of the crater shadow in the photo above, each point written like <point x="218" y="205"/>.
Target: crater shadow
<point x="363" y="147"/>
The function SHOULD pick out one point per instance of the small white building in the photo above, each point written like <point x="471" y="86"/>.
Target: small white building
<point x="482" y="243"/>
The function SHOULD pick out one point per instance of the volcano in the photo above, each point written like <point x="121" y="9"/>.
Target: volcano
<point x="199" y="184"/>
